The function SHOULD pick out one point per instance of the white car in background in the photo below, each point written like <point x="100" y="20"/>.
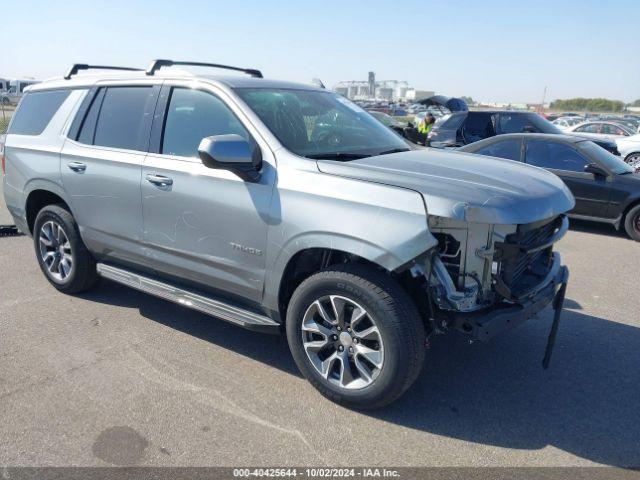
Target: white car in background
<point x="629" y="148"/>
<point x="601" y="129"/>
<point x="564" y="123"/>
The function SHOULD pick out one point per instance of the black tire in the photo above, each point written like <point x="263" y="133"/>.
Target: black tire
<point x="632" y="223"/>
<point x="393" y="312"/>
<point x="83" y="275"/>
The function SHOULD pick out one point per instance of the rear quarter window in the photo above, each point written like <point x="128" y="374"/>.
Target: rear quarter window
<point x="36" y="111"/>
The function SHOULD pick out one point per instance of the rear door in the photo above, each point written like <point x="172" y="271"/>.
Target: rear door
<point x="204" y="225"/>
<point x="592" y="192"/>
<point x="101" y="164"/>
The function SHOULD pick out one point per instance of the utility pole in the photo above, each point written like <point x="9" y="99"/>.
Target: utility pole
<point x="544" y="98"/>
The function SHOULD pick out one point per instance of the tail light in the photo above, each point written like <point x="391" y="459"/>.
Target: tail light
<point x="2" y="158"/>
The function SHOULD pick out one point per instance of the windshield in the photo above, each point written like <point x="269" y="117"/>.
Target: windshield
<point x="382" y="117"/>
<point x="610" y="161"/>
<point x="317" y="124"/>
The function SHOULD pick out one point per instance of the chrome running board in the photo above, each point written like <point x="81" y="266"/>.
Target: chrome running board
<point x="195" y="301"/>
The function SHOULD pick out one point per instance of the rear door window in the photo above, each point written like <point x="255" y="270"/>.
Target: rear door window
<point x="558" y="156"/>
<point x="509" y="149"/>
<point x="36" y="111"/>
<point x="515" y="123"/>
<point x="477" y="127"/>
<point x="609" y="129"/>
<point x="124" y="118"/>
<point x="589" y="128"/>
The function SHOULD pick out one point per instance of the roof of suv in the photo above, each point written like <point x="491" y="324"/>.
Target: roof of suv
<point x="231" y="81"/>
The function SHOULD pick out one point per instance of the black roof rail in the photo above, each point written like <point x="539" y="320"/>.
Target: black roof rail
<point x="158" y="64"/>
<point x="83" y="66"/>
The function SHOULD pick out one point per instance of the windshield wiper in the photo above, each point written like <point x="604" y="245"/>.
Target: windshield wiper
<point x="338" y="156"/>
<point x="394" y="150"/>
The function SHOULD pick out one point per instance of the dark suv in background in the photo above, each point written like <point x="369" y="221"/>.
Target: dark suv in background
<point x="462" y="128"/>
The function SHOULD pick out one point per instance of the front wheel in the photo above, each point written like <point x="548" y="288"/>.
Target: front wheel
<point x="632" y="223"/>
<point x="356" y="336"/>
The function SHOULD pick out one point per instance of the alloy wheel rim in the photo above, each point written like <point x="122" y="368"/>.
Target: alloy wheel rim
<point x="342" y="342"/>
<point x="55" y="251"/>
<point x="634" y="161"/>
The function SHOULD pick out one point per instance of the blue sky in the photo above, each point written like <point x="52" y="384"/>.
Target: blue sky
<point x="489" y="50"/>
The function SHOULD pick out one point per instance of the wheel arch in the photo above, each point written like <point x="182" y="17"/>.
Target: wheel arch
<point x="632" y="203"/>
<point x="315" y="252"/>
<point x="40" y="194"/>
<point x="633" y="152"/>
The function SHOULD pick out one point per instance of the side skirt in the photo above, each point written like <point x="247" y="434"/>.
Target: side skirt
<point x="196" y="301"/>
<point x="611" y="221"/>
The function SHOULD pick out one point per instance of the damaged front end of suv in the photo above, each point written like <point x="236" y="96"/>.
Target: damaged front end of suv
<point x="486" y="278"/>
<point x="495" y="224"/>
<point x="492" y="225"/>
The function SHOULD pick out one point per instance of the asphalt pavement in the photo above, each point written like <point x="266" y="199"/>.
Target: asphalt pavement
<point x="117" y="377"/>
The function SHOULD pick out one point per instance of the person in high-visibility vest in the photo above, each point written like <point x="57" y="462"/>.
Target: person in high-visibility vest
<point x="425" y="125"/>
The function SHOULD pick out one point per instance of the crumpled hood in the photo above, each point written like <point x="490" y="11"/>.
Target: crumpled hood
<point x="464" y="186"/>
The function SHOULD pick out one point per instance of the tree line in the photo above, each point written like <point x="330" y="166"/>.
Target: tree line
<point x="588" y="105"/>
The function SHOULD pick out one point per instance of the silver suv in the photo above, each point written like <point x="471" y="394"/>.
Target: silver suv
<point x="285" y="208"/>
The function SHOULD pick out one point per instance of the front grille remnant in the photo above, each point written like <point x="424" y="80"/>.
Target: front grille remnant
<point x="520" y="269"/>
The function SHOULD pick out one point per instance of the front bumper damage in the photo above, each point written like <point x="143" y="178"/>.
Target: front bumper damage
<point x="486" y="279"/>
<point x="484" y="325"/>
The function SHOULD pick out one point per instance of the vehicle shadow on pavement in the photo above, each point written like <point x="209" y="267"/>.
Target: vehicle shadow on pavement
<point x="269" y="349"/>
<point x="587" y="403"/>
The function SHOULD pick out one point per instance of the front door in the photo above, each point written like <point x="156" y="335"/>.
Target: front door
<point x="203" y="225"/>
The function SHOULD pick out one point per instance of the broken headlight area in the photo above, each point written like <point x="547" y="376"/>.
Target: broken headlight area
<point x="460" y="268"/>
<point x="481" y="266"/>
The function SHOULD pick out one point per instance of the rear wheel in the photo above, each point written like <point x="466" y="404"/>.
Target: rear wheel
<point x="633" y="159"/>
<point x="60" y="251"/>
<point x="356" y="336"/>
<point x="632" y="223"/>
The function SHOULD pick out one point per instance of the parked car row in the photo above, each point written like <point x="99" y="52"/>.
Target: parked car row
<point x="606" y="188"/>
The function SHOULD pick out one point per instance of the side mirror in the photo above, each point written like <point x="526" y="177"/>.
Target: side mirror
<point x="231" y="152"/>
<point x="595" y="169"/>
<point x="528" y="129"/>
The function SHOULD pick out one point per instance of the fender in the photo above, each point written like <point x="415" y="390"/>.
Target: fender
<point x="388" y="257"/>
<point x="17" y="201"/>
<point x="383" y="224"/>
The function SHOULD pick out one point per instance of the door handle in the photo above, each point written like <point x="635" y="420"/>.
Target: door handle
<point x="77" y="166"/>
<point x="159" y="180"/>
